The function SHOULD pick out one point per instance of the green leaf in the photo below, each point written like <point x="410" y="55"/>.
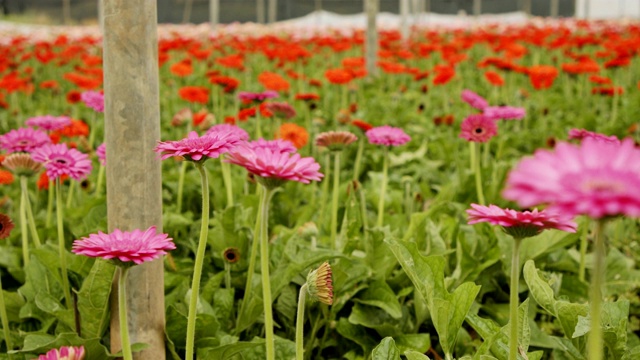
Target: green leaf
<point x="93" y="299"/>
<point x="411" y="342"/>
<point x="414" y="355"/>
<point x="41" y="343"/>
<point x="386" y="350"/>
<point x="356" y="334"/>
<point x="379" y="294"/>
<point x="376" y="319"/>
<point x="539" y="289"/>
<point x="227" y="351"/>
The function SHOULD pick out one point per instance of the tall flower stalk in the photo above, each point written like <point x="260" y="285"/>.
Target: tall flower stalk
<point x="122" y="315"/>
<point x="595" y="341"/>
<point x="383" y="187"/>
<point x="319" y="287"/>
<point x="264" y="268"/>
<point x="62" y="252"/>
<point x="6" y="225"/>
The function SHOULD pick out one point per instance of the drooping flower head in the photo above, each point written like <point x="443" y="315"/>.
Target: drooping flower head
<point x="478" y="128"/>
<point x="281" y="109"/>
<point x="335" y="140"/>
<point x="22" y="164"/>
<point x="259" y="97"/>
<point x="23" y="140"/>
<point x="6" y="225"/>
<point x="94" y="100"/>
<point x="59" y="160"/>
<point x="596" y="178"/>
<point x="277" y="145"/>
<point x="49" y="122"/>
<point x="239" y="132"/>
<point x="504" y="112"/>
<point x="135" y="246"/>
<point x="101" y="152"/>
<point x="387" y="135"/>
<point x="199" y="148"/>
<point x="320" y="284"/>
<point x="64" y="353"/>
<point x="581" y="134"/>
<point x="294" y="133"/>
<point x="275" y="167"/>
<point x="519" y="224"/>
<point x="474" y="99"/>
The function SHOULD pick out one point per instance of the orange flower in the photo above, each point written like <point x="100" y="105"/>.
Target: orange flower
<point x="49" y="84"/>
<point x="542" y="76"/>
<point x="494" y="78"/>
<point x="193" y="94"/>
<point x="338" y="76"/>
<point x="182" y="68"/>
<point x="43" y="181"/>
<point x="363" y="125"/>
<point x="273" y="81"/>
<point x="596" y="79"/>
<point x="6" y="177"/>
<point x="294" y="133"/>
<point x="229" y="83"/>
<point x="74" y="96"/>
<point x="232" y="61"/>
<point x="77" y="128"/>
<point x="444" y="74"/>
<point x="307" y="96"/>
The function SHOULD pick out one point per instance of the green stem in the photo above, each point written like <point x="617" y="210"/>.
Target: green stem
<point x="23" y="229"/>
<point x="227" y="275"/>
<point x="513" y="299"/>
<point x="334" y="199"/>
<point x="197" y="268"/>
<point x="72" y="188"/>
<point x="226" y="177"/>
<point x="183" y="171"/>
<point x="27" y="203"/>
<point x="50" y="204"/>
<point x="383" y="187"/>
<point x="356" y="169"/>
<point x="5" y="320"/>
<point x="325" y="189"/>
<point x="100" y="180"/>
<point x="122" y="308"/>
<point x="478" y="172"/>
<point x="248" y="288"/>
<point x="61" y="247"/>
<point x="264" y="264"/>
<point x="94" y="130"/>
<point x="595" y="342"/>
<point x="300" y="323"/>
<point x="583" y="253"/>
<point x="258" y="125"/>
<point x="368" y="247"/>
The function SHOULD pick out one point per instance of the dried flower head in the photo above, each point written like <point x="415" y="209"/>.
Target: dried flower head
<point x="231" y="255"/>
<point x="6" y="225"/>
<point x="22" y="164"/>
<point x="182" y="117"/>
<point x="281" y="109"/>
<point x="320" y="284"/>
<point x="335" y="140"/>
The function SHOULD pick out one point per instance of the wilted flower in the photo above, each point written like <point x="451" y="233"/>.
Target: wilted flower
<point x="281" y="110"/>
<point x="231" y="255"/>
<point x="6" y="225"/>
<point x="22" y="164"/>
<point x="320" y="284"/>
<point x="335" y="140"/>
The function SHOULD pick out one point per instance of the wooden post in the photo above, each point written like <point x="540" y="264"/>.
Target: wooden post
<point x="477" y="7"/>
<point x="100" y="16"/>
<point x="273" y="11"/>
<point x="555" y="7"/>
<point x="404" y="19"/>
<point x="526" y="7"/>
<point x="186" y="13"/>
<point x="66" y="12"/>
<point x="132" y="128"/>
<point x="260" y="17"/>
<point x="371" y="9"/>
<point x="214" y="13"/>
<point x="318" y="5"/>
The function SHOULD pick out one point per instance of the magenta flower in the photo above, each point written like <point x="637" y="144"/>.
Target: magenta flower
<point x="519" y="223"/>
<point x="101" y="152"/>
<point x="64" y="353"/>
<point x="23" y="140"/>
<point x="236" y="130"/>
<point x="199" y="148"/>
<point x="504" y="113"/>
<point x="474" y="99"/>
<point x="49" y="122"/>
<point x="387" y="135"/>
<point x="137" y="246"/>
<point x="59" y="160"/>
<point x="251" y="96"/>
<point x="276" y="165"/>
<point x="277" y="145"/>
<point x="595" y="178"/>
<point x="580" y="134"/>
<point x="478" y="128"/>
<point x="94" y="100"/>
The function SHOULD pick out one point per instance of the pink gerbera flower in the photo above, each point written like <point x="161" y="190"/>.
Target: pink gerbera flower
<point x="277" y="145"/>
<point x="474" y="99"/>
<point x="136" y="246"/>
<point x="236" y="130"/>
<point x="94" y="100"/>
<point x="580" y="134"/>
<point x="504" y="113"/>
<point x="49" y="122"/>
<point x="595" y="178"/>
<point x="199" y="148"/>
<point x="59" y="160"/>
<point x="101" y="152"/>
<point x="23" y="140"/>
<point x="275" y="167"/>
<point x="251" y="96"/>
<point x="387" y="135"/>
<point x="478" y="128"/>
<point x="64" y="353"/>
<point x="519" y="224"/>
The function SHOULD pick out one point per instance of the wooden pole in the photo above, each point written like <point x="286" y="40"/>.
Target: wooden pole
<point x="477" y="7"/>
<point x="273" y="11"/>
<point x="214" y="13"/>
<point x="526" y="7"/>
<point x="404" y="19"/>
<point x="132" y="128"/>
<point x="186" y="13"/>
<point x="371" y="9"/>
<point x="260" y="16"/>
<point x="555" y="8"/>
<point x="318" y="5"/>
<point x="66" y="12"/>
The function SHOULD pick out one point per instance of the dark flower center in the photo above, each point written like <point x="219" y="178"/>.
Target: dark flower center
<point x="60" y="161"/>
<point x="478" y="130"/>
